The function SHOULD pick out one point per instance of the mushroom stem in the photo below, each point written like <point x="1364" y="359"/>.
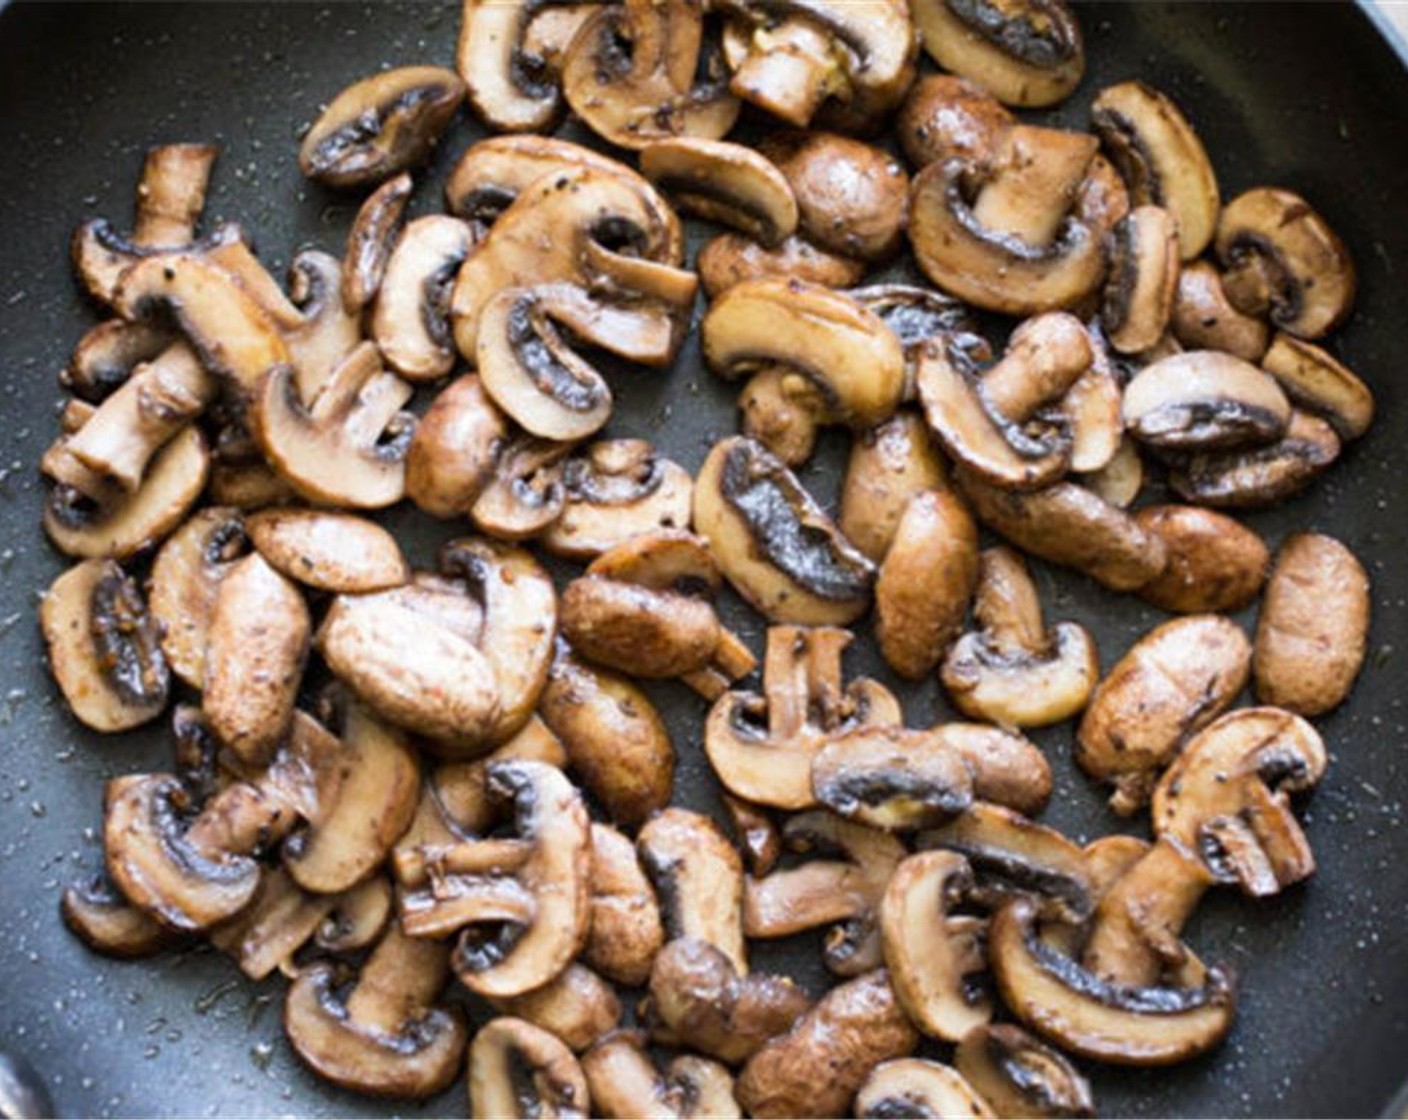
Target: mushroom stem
<point x="171" y="194"/>
<point x="399" y="980"/>
<point x="414" y="866"/>
<point x="731" y="660"/>
<point x="802" y="678"/>
<point x="1006" y="605"/>
<point x="1043" y="360"/>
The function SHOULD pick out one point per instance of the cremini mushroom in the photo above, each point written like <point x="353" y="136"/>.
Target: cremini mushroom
<point x="1253" y="478"/>
<point x="374" y="234"/>
<point x="626" y="1083"/>
<point x="1282" y="260"/>
<point x="1017" y="1074"/>
<point x="328" y="551"/>
<point x="613" y="490"/>
<point x="511" y="86"/>
<point x="762" y="746"/>
<point x="1203" y="317"/>
<point x="1204" y="400"/>
<point x="1175" y="679"/>
<point x="104" y="647"/>
<point x="731" y="258"/>
<point x="1012" y="670"/>
<point x="1160" y="158"/>
<point x="626" y="933"/>
<point x="892" y="778"/>
<point x="1139" y="293"/>
<point x="1215" y="563"/>
<point x="1092" y="406"/>
<point x="724" y="182"/>
<point x="773" y="542"/>
<point x="945" y="117"/>
<point x="1316" y="381"/>
<point x="1029" y="54"/>
<point x="410" y="319"/>
<point x="783" y="410"/>
<point x="380" y="125"/>
<point x="388" y="1036"/>
<point x="1314" y="626"/>
<point x="95" y="911"/>
<point x="888" y="466"/>
<point x="817" y="1067"/>
<point x="519" y="1070"/>
<point x="615" y="739"/>
<point x="578" y="1006"/>
<point x="451" y="458"/>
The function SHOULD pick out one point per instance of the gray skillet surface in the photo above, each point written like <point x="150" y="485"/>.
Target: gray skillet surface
<point x="1305" y="96"/>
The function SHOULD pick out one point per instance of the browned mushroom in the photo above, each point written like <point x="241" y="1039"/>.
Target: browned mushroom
<point x="1313" y="379"/>
<point x="1252" y="478"/>
<point x="578" y="1007"/>
<point x="410" y="318"/>
<point x="892" y="778"/>
<point x="613" y="490"/>
<point x="370" y="241"/>
<point x="626" y="933"/>
<point x="888" y="466"/>
<point x="1017" y="1075"/>
<point x="451" y="458"/>
<point x="1204" y="318"/>
<point x="626" y="1083"/>
<point x="519" y="1070"/>
<point x="948" y="117"/>
<point x="95" y="911"/>
<point x="1215" y="564"/>
<point x="921" y="1087"/>
<point x="1140" y="290"/>
<point x="1204" y="400"/>
<point x="724" y="182"/>
<point x="731" y="258"/>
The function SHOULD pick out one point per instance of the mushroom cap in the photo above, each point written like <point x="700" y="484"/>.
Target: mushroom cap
<point x="510" y="88"/>
<point x="926" y="1087"/>
<point x="1143" y="281"/>
<point x="891" y="778"/>
<point x="1315" y="380"/>
<point x="731" y="258"/>
<point x="410" y="317"/>
<point x="455" y="448"/>
<point x="518" y="1069"/>
<point x="1214" y="562"/>
<point x="328" y="551"/>
<point x="945" y="116"/>
<point x="1253" y="478"/>
<point x="888" y="466"/>
<point x="626" y="1083"/>
<point x="1018" y="1075"/>
<point x="626" y="933"/>
<point x="578" y="1006"/>
<point x="374" y="232"/>
<point x="723" y="182"/>
<point x="1204" y="400"/>
<point x="96" y="912"/>
<point x="1023" y="688"/>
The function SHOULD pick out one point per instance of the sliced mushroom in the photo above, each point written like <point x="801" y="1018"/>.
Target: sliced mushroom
<point x="775" y="545"/>
<point x="1068" y="524"/>
<point x="1008" y="769"/>
<point x="892" y="778"/>
<point x="358" y="917"/>
<point x="104" y="647"/>
<point x="614" y="490"/>
<point x="184" y="581"/>
<point x="786" y="66"/>
<point x="1120" y="480"/>
<point x="1260" y="476"/>
<point x="578" y="1006"/>
<point x="843" y="884"/>
<point x="1093" y="407"/>
<point x="1312" y="378"/>
<point x="1314" y="626"/>
<point x="851" y="197"/>
<point x="949" y="117"/>
<point x="1204" y="318"/>
<point x="452" y="455"/>
<point x="255" y="651"/>
<point x="1204" y="400"/>
<point x="762" y="746"/>
<point x="731" y="259"/>
<point x="1282" y="260"/>
<point x="1012" y="670"/>
<point x="107" y="354"/>
<point x="755" y="832"/>
<point x="698" y="999"/>
<point x="1143" y="280"/>
<point x="241" y="477"/>
<point x="918" y="1087"/>
<point x="668" y="82"/>
<point x="699" y="880"/>
<point x="519" y="1070"/>
<point x="724" y="182"/>
<point x="95" y="911"/>
<point x="888" y="466"/>
<point x="1032" y="178"/>
<point x="328" y="551"/>
<point x="1215" y="564"/>
<point x="1174" y="680"/>
<point x="410" y="319"/>
<point x="1228" y="798"/>
<point x="626" y="1083"/>
<point x="626" y="933"/>
<point x="1018" y="1075"/>
<point x="1160" y="158"/>
<point x="373" y="235"/>
<point x="511" y="88"/>
<point x="1029" y="54"/>
<point x="380" y="125"/>
<point x="817" y="1067"/>
<point x="388" y="1037"/>
<point x="279" y="920"/>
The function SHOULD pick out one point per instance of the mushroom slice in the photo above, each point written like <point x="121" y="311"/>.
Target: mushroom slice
<point x="324" y="331"/>
<point x="723" y="182"/>
<point x="698" y="1000"/>
<point x="1011" y="855"/>
<point x="107" y="354"/>
<point x="888" y="466"/>
<point x="931" y="969"/>
<point x="1008" y="769"/>
<point x="370" y="241"/>
<point x="349" y="447"/>
<point x="452" y="455"/>
<point x="1227" y="798"/>
<point x="1204" y="318"/>
<point x="625" y="932"/>
<point x="783" y="410"/>
<point x="919" y="1087"/>
<point x="777" y="547"/>
<point x="411" y="317"/>
<point x="626" y="1083"/>
<point x="698" y="877"/>
<point x="510" y="88"/>
<point x="731" y="259"/>
<point x="1204" y="400"/>
<point x="668" y="83"/>
<point x="1029" y="54"/>
<point x="892" y="778"/>
<point x="1031" y="179"/>
<point x="1012" y="670"/>
<point x="916" y="314"/>
<point x="1120" y="480"/>
<point x="1093" y="408"/>
<point x="1068" y="524"/>
<point x="256" y="648"/>
<point x="388" y="1037"/>
<point x="278" y="921"/>
<point x="1143" y="279"/>
<point x="842" y="884"/>
<point x="615" y="740"/>
<point x="787" y="67"/>
<point x="380" y="125"/>
<point x="1282" y="260"/>
<point x="357" y="918"/>
<point x="328" y="551"/>
<point x="184" y="582"/>
<point x="1215" y="564"/>
<point x="1261" y="476"/>
<point x="95" y="912"/>
<point x="1018" y="1075"/>
<point x="1160" y="158"/>
<point x="1314" y="626"/>
<point x="1312" y="378"/>
<point x="762" y="747"/>
<point x="104" y="647"/>
<point x="615" y="490"/>
<point x="851" y="197"/>
<point x="353" y="830"/>
<point x="817" y="1067"/>
<point x="578" y="1007"/>
<point x="519" y="1070"/>
<point x="845" y="350"/>
<point x="992" y="269"/>
<point x="525" y="494"/>
<point x="1174" y="680"/>
<point x="1058" y="998"/>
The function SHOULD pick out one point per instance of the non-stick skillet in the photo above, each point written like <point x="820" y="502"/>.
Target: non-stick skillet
<point x="1308" y="96"/>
